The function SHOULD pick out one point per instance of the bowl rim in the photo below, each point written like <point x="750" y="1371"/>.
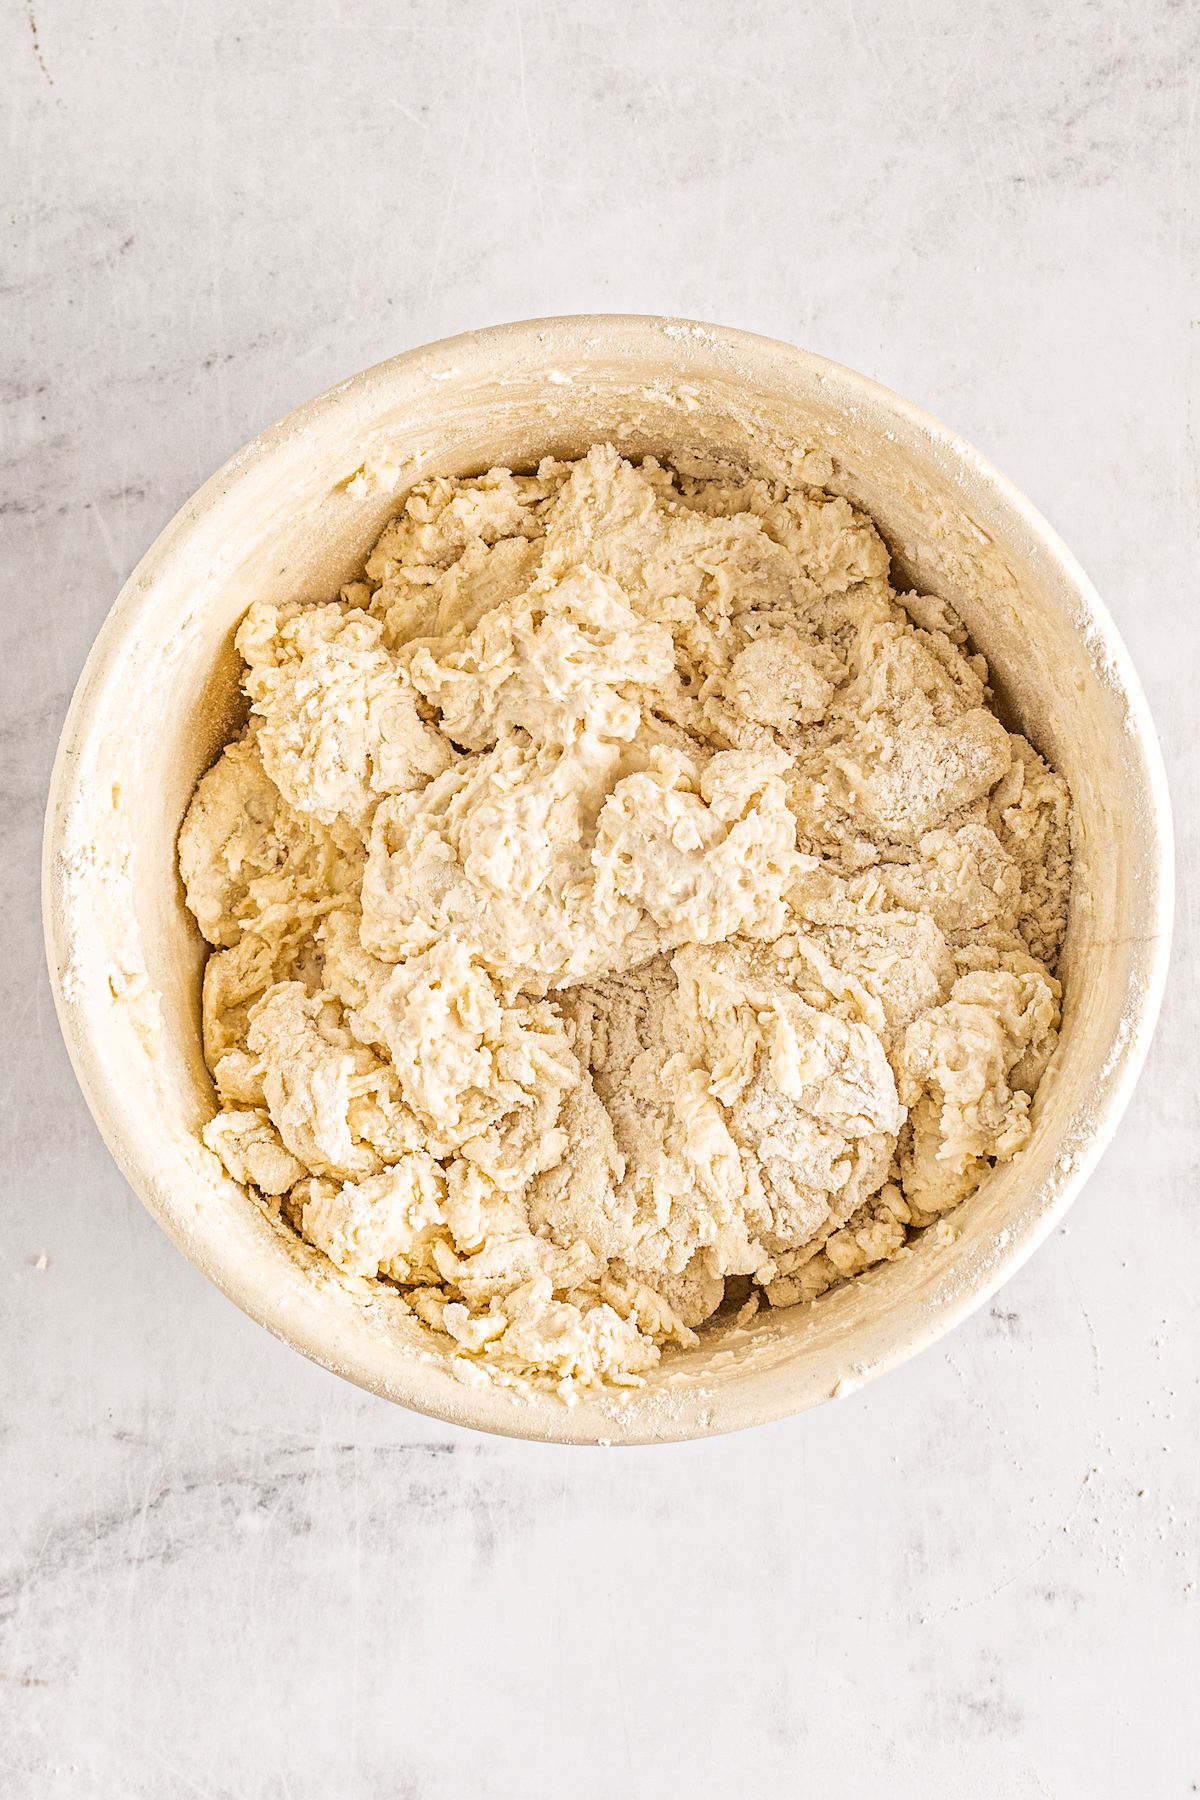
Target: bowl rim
<point x="480" y="349"/>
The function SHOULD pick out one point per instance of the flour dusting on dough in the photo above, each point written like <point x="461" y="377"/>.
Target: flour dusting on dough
<point x="619" y="890"/>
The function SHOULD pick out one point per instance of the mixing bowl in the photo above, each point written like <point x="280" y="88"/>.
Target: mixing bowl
<point x="294" y="514"/>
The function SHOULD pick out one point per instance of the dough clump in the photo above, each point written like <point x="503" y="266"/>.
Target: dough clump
<point x="622" y="903"/>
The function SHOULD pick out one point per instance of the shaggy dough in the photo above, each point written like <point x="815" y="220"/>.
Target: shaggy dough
<point x="618" y="890"/>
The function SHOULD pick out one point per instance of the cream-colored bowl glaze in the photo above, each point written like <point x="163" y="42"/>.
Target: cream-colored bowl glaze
<point x="159" y="697"/>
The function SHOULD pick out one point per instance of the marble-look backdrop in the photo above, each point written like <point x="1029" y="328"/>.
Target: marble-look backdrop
<point x="227" y="1574"/>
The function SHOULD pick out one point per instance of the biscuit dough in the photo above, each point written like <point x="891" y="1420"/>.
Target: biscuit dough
<point x="617" y="891"/>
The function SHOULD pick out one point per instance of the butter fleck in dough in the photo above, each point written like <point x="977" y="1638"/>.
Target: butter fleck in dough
<point x="618" y="890"/>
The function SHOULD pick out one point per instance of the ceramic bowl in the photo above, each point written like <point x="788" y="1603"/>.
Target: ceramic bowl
<point x="294" y="514"/>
